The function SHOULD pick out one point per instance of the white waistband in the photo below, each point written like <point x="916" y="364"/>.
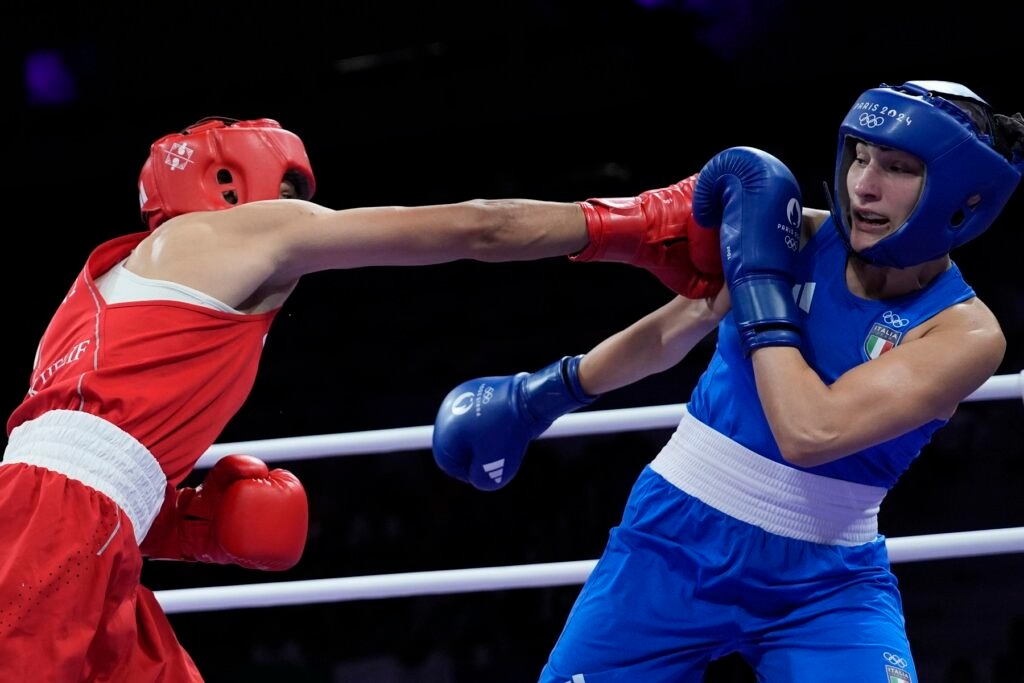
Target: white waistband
<point x="97" y="453"/>
<point x="775" y="497"/>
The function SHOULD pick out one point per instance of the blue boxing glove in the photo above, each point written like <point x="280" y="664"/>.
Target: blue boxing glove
<point x="757" y="202"/>
<point x="484" y="425"/>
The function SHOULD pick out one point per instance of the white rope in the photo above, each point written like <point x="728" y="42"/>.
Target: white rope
<point x="1000" y="387"/>
<point x="574" y="424"/>
<point x="906" y="549"/>
<point x="955" y="544"/>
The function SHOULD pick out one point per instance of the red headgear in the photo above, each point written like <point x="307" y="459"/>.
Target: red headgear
<point x="217" y="163"/>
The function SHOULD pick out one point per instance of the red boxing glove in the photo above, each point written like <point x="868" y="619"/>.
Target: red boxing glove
<point x="241" y="514"/>
<point x="657" y="232"/>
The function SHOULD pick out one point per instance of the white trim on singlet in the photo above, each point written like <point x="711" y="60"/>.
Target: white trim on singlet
<point x="99" y="454"/>
<point x="120" y="285"/>
<point x="777" y="498"/>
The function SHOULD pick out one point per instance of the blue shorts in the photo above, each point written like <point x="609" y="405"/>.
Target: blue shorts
<point x="681" y="584"/>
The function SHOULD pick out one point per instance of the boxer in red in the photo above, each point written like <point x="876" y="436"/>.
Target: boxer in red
<point x="156" y="346"/>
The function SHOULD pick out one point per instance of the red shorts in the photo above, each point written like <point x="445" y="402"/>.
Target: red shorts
<point x="71" y="605"/>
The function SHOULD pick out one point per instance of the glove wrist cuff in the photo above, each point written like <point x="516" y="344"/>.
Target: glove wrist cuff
<point x="764" y="300"/>
<point x="571" y="375"/>
<point x="616" y="228"/>
<point x="554" y="390"/>
<point x="766" y="313"/>
<point x="774" y="336"/>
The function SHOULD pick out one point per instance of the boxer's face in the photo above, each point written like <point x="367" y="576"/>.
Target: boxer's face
<point x="288" y="190"/>
<point x="884" y="185"/>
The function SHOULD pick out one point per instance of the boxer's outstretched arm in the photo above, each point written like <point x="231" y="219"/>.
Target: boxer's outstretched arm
<point x="485" y="425"/>
<point x="654" y="343"/>
<point x="252" y="249"/>
<point x="251" y="256"/>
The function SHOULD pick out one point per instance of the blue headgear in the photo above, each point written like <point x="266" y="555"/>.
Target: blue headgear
<point x="960" y="163"/>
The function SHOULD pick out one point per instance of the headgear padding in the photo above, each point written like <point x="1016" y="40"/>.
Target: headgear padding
<point x="219" y="163"/>
<point x="960" y="163"/>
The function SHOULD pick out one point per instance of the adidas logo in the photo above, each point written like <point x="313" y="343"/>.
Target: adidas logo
<point x="577" y="678"/>
<point x="495" y="469"/>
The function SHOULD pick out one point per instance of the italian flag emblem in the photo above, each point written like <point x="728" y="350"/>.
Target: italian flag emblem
<point x="894" y="675"/>
<point x="879" y="340"/>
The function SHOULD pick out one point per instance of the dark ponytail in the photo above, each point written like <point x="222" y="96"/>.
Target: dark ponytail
<point x="1009" y="136"/>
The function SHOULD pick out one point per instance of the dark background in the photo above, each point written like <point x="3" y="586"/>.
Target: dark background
<point x="409" y="103"/>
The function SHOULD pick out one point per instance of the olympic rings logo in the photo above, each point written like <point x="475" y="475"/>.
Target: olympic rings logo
<point x="870" y="120"/>
<point x="792" y="242"/>
<point x="895" y="660"/>
<point x="894" y="319"/>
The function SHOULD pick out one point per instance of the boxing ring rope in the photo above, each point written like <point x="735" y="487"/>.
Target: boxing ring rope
<point x="906" y="549"/>
<point x="573" y="424"/>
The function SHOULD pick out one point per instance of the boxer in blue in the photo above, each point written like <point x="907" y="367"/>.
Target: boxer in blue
<point x="845" y="340"/>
